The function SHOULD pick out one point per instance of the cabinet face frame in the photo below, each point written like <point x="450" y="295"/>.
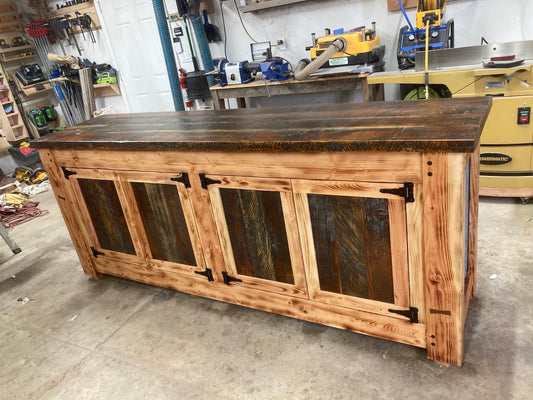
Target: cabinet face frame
<point x="398" y="215"/>
<point x="123" y="181"/>
<point x="283" y="187"/>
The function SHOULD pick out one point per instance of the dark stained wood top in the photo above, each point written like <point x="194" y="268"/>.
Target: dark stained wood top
<point x="441" y="125"/>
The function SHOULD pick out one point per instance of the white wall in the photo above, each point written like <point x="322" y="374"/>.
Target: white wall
<point x="496" y="20"/>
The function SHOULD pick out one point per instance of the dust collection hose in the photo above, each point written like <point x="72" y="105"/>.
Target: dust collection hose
<point x="168" y="52"/>
<point x="304" y="69"/>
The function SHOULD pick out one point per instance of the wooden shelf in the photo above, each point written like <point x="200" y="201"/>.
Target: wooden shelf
<point x="106" y="89"/>
<point x="29" y="90"/>
<point x="18" y="48"/>
<point x="268" y="4"/>
<point x="16" y="59"/>
<point x="83" y="8"/>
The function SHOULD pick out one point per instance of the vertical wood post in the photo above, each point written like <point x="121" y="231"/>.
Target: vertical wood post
<point x="444" y="254"/>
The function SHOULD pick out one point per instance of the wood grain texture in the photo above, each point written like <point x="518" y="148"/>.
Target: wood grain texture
<point x="373" y="167"/>
<point x="386" y="327"/>
<point x="473" y="224"/>
<point x="66" y="201"/>
<point x="444" y="253"/>
<point x="415" y="243"/>
<point x="164" y="222"/>
<point x="376" y="126"/>
<point x="106" y="214"/>
<point x="257" y="233"/>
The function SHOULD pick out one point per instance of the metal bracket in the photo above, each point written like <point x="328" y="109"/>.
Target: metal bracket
<point x="67" y="173"/>
<point x="184" y="178"/>
<point x="228" y="279"/>
<point x="412" y="314"/>
<point x="96" y="253"/>
<point x="207" y="181"/>
<point x="207" y="273"/>
<point x="406" y="192"/>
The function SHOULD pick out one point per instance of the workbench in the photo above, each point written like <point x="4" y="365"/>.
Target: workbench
<point x="260" y="88"/>
<point x="357" y="216"/>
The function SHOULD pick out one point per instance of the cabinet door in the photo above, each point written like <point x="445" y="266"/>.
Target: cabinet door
<point x="256" y="223"/>
<point x="139" y="216"/>
<point x="355" y="239"/>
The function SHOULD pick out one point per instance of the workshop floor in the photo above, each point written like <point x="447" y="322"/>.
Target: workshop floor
<point x="78" y="338"/>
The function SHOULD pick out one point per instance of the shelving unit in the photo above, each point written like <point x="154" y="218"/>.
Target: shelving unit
<point x="13" y="128"/>
<point x="87" y="7"/>
<point x="106" y="89"/>
<point x="268" y="4"/>
<point x="10" y="54"/>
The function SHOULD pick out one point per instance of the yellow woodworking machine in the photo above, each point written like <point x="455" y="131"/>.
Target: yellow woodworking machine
<point x="503" y="71"/>
<point x="362" y="47"/>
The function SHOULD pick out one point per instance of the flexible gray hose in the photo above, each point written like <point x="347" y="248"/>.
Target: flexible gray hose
<point x="338" y="45"/>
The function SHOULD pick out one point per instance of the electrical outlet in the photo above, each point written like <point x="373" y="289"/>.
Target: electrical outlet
<point x="282" y="44"/>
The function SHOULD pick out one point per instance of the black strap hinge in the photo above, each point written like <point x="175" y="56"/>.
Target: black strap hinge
<point x="207" y="273"/>
<point x="228" y="279"/>
<point x="67" y="173"/>
<point x="407" y="192"/>
<point x="184" y="178"/>
<point x="96" y="253"/>
<point x="207" y="181"/>
<point x="412" y="314"/>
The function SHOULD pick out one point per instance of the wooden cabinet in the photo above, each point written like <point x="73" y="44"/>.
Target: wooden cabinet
<point x="360" y="217"/>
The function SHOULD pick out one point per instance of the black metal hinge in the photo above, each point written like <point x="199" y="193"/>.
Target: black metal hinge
<point x="207" y="273"/>
<point x="228" y="279"/>
<point x="412" y="314"/>
<point x="67" y="173"/>
<point x="96" y="253"/>
<point x="207" y="181"/>
<point x="406" y="192"/>
<point x="184" y="178"/>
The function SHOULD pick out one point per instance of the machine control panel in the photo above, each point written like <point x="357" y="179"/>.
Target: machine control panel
<point x="524" y="114"/>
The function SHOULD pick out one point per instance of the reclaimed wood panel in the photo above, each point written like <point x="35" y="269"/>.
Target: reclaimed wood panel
<point x="164" y="222"/>
<point x="348" y="234"/>
<point x="377" y="126"/>
<point x="106" y="215"/>
<point x="257" y="232"/>
<point x="378" y="251"/>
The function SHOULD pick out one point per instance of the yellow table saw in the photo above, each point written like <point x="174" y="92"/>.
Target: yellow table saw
<point x="504" y="71"/>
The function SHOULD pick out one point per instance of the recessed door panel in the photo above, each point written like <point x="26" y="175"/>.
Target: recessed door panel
<point x="164" y="222"/>
<point x="356" y="236"/>
<point x="107" y="217"/>
<point x="256" y="223"/>
<point x="257" y="233"/>
<point x="351" y="236"/>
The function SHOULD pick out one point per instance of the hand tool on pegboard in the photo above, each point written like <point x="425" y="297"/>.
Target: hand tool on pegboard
<point x="41" y="35"/>
<point x="59" y="34"/>
<point x="68" y="25"/>
<point x="85" y="21"/>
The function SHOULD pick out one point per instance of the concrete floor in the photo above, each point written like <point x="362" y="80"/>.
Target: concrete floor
<point x="114" y="339"/>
